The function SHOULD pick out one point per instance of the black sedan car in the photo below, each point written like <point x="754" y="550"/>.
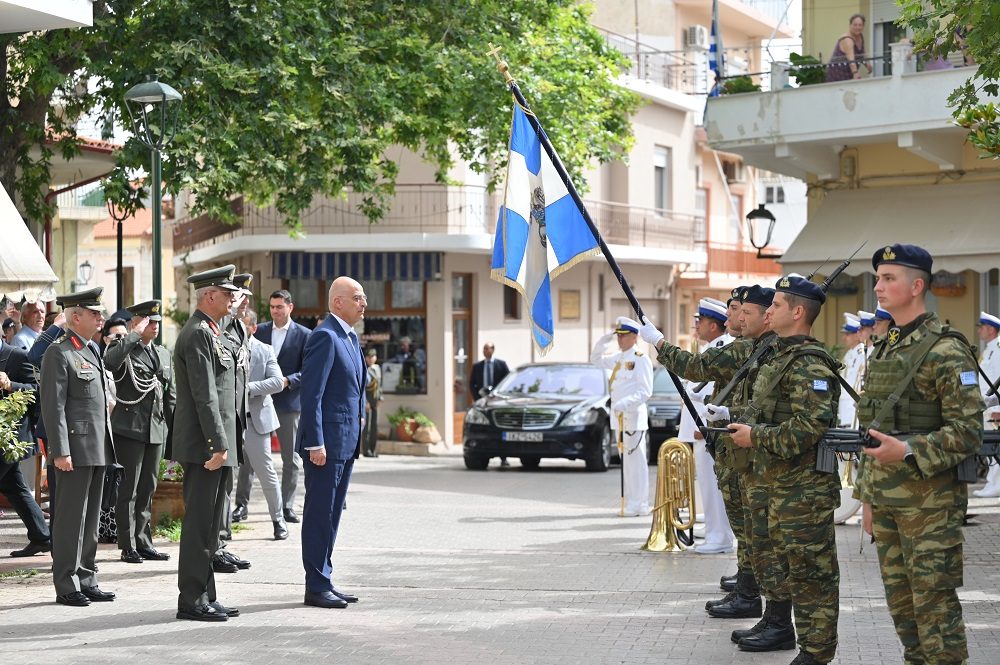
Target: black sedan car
<point x="664" y="409"/>
<point x="542" y="410"/>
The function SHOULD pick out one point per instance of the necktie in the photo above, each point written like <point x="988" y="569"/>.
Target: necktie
<point x="488" y="374"/>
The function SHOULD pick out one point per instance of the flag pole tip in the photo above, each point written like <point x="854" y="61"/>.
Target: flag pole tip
<point x="501" y="64"/>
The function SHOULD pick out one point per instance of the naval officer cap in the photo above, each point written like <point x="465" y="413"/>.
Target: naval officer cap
<point x="852" y="323"/>
<point x="625" y="326"/>
<point x="987" y="319"/>
<point x="910" y="256"/>
<point x="712" y="308"/>
<point x="736" y="294"/>
<point x="150" y="308"/>
<point x="89" y="299"/>
<point x="757" y="295"/>
<point x="242" y="281"/>
<point x="867" y="318"/>
<point x="797" y="285"/>
<point x="219" y="277"/>
<point x="882" y="314"/>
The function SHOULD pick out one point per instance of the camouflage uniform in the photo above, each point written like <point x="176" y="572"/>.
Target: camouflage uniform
<point x="795" y="402"/>
<point x="918" y="504"/>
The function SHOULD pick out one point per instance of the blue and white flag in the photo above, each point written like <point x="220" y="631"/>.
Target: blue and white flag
<point x="716" y="55"/>
<point x="540" y="231"/>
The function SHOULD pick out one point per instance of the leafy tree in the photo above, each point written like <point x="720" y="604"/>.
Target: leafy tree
<point x="286" y="100"/>
<point x="941" y="27"/>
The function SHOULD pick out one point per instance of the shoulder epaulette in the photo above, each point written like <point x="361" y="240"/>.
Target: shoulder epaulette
<point x="638" y="353"/>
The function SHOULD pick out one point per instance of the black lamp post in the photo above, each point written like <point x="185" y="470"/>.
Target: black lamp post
<point x="119" y="215"/>
<point x="756" y="219"/>
<point x="152" y="108"/>
<point x="83" y="273"/>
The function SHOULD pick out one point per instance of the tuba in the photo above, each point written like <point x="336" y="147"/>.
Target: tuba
<point x="674" y="490"/>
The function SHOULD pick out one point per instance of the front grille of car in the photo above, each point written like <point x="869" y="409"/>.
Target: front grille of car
<point x="525" y="418"/>
<point x="664" y="411"/>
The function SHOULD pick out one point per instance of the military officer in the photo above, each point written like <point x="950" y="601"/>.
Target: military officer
<point x="853" y="365"/>
<point x="922" y="380"/>
<point x="205" y="439"/>
<point x="794" y="402"/>
<point x="883" y="320"/>
<point x="143" y="375"/>
<point x="989" y="334"/>
<point x="631" y="386"/>
<point x="79" y="443"/>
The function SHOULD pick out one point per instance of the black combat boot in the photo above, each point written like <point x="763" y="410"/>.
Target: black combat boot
<point x="805" y="658"/>
<point x="757" y="627"/>
<point x="728" y="582"/>
<point x="778" y="635"/>
<point x="721" y="601"/>
<point x="746" y="604"/>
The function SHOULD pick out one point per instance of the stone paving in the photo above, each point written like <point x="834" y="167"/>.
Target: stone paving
<point x="454" y="566"/>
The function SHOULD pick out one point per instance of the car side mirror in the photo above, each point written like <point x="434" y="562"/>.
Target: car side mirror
<point x="485" y="390"/>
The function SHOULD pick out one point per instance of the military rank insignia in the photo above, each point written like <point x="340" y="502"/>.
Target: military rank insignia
<point x="155" y="309"/>
<point x="630" y="365"/>
<point x="784" y="283"/>
<point x="77" y="344"/>
<point x="893" y="336"/>
<point x="888" y="254"/>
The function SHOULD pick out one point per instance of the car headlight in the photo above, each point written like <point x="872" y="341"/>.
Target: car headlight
<point x="581" y="417"/>
<point x="476" y="417"/>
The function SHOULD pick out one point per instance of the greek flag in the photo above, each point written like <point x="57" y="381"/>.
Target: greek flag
<point x="540" y="230"/>
<point x="716" y="56"/>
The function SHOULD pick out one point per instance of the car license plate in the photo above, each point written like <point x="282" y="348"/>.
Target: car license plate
<point x="657" y="422"/>
<point x="522" y="436"/>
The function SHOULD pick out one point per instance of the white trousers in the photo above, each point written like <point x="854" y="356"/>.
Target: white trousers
<point x="717" y="529"/>
<point x="992" y="479"/>
<point x="636" y="473"/>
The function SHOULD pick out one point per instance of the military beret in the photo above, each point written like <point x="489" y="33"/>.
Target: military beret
<point x="220" y="277"/>
<point x="797" y="285"/>
<point x="986" y="319"/>
<point x="150" y="308"/>
<point x="625" y="325"/>
<point x="713" y="308"/>
<point x="851" y="323"/>
<point x="882" y="314"/>
<point x="867" y="319"/>
<point x="89" y="299"/>
<point x="736" y="294"/>
<point x="910" y="256"/>
<point x="243" y="282"/>
<point x="757" y="295"/>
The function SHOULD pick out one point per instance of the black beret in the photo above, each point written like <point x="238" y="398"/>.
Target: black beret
<point x="735" y="294"/>
<point x="797" y="285"/>
<point x="757" y="295"/>
<point x="910" y="256"/>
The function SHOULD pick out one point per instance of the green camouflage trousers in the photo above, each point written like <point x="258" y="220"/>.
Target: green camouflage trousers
<point x="920" y="555"/>
<point x="800" y="521"/>
<point x="763" y="555"/>
<point x="732" y="497"/>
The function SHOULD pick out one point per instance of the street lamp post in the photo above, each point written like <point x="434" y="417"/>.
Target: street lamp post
<point x="756" y="219"/>
<point x="119" y="215"/>
<point x="152" y="107"/>
<point x="83" y="273"/>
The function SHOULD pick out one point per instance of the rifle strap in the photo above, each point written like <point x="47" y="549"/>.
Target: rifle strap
<point x="741" y="373"/>
<point x="754" y="407"/>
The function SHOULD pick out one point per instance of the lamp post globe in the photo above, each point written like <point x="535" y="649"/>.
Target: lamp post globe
<point x="760" y="226"/>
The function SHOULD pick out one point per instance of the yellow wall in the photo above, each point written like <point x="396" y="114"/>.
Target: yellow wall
<point x="823" y="21"/>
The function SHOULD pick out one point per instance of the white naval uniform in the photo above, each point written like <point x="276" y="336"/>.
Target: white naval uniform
<point x="631" y="387"/>
<point x="990" y="363"/>
<point x="717" y="529"/>
<point x="855" y="361"/>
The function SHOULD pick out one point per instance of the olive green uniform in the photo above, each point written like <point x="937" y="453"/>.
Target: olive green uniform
<point x="918" y="504"/>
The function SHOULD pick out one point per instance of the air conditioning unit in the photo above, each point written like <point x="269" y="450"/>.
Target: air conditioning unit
<point x="696" y="36"/>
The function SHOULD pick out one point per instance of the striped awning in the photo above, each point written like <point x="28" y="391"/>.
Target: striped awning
<point x="368" y="266"/>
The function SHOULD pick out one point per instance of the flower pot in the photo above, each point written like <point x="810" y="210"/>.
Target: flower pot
<point x="168" y="500"/>
<point x="405" y="430"/>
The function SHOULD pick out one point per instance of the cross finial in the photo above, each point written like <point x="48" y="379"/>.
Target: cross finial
<point x="501" y="65"/>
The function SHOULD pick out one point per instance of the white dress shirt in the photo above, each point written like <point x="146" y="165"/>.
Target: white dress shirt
<point x="278" y="336"/>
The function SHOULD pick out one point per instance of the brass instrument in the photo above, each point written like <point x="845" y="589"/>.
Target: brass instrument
<point x="674" y="490"/>
<point x="621" y="459"/>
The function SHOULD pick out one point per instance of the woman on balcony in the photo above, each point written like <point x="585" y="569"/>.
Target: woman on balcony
<point x="849" y="53"/>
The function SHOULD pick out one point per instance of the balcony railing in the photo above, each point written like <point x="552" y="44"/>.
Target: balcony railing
<point x="437" y="209"/>
<point x="736" y="260"/>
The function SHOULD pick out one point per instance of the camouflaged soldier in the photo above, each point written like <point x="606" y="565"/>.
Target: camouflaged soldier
<point x="794" y="402"/>
<point x="914" y="501"/>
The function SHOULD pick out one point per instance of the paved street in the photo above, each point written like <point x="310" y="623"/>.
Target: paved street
<point x="454" y="566"/>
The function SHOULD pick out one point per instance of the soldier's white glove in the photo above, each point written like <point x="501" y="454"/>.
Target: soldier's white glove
<point x="697" y="398"/>
<point x="649" y="333"/>
<point x="992" y="400"/>
<point x="606" y="338"/>
<point x="715" y="413"/>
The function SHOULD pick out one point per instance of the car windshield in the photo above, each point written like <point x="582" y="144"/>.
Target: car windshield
<point x="662" y="383"/>
<point x="555" y="380"/>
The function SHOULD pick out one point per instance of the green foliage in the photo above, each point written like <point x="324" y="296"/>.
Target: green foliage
<point x="168" y="528"/>
<point x="286" y="100"/>
<point x="935" y="25"/>
<point x="18" y="574"/>
<point x="12" y="410"/>
<point x="806" y="69"/>
<point x="171" y="471"/>
<point x="739" y="84"/>
<point x="404" y="415"/>
<point x="238" y="527"/>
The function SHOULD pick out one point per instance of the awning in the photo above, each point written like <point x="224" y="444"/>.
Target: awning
<point x="367" y="266"/>
<point x="24" y="272"/>
<point x="956" y="223"/>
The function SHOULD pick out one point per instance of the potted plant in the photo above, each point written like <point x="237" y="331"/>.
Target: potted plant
<point x="807" y="70"/>
<point x="404" y="420"/>
<point x="12" y="410"/>
<point x="168" y="500"/>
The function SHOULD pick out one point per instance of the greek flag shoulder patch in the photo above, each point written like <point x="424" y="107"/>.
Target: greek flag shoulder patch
<point x="821" y="386"/>
<point x="968" y="378"/>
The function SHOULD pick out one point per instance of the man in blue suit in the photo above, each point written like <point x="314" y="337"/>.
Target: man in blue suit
<point x="329" y="437"/>
<point x="288" y="339"/>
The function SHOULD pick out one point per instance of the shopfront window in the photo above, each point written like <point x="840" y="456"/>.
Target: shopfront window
<point x="397" y="329"/>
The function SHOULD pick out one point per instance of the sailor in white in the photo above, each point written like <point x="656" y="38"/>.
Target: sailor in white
<point x="711" y="329"/>
<point x="989" y="334"/>
<point x="631" y="386"/>
<point x="853" y="365"/>
<point x="883" y="320"/>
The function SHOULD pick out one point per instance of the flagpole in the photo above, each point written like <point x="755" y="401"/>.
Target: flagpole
<point x="503" y="68"/>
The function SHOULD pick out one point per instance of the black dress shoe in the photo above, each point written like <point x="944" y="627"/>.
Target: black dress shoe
<point x="346" y="597"/>
<point x="207" y="613"/>
<point x="74" y="598"/>
<point x="728" y="582"/>
<point x="239" y="513"/>
<point x="242" y="564"/>
<point x="95" y="594"/>
<point x="290" y="516"/>
<point x="220" y="565"/>
<point x="228" y="611"/>
<point x="324" y="599"/>
<point x="226" y="536"/>
<point x="131" y="556"/>
<point x="280" y="531"/>
<point x="33" y="548"/>
<point x="153" y="555"/>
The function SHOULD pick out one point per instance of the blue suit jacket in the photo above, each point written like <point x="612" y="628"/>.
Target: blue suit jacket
<point x="290" y="362"/>
<point x="333" y="393"/>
